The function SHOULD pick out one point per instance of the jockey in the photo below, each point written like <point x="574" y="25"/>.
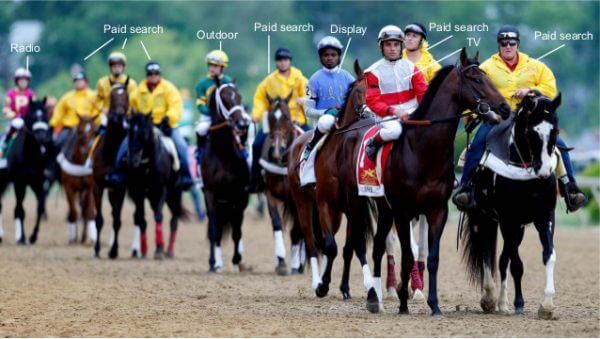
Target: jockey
<point x="116" y="62"/>
<point x="415" y="43"/>
<point x="160" y="98"/>
<point x="326" y="90"/>
<point x="217" y="61"/>
<point x="395" y="87"/>
<point x="80" y="101"/>
<point x="283" y="81"/>
<point x="16" y="103"/>
<point x="515" y="75"/>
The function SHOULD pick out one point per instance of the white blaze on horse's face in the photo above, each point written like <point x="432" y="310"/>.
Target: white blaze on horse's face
<point x="278" y="114"/>
<point x="543" y="130"/>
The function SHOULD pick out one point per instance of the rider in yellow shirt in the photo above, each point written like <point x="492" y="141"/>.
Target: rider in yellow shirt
<point x="415" y="50"/>
<point x="160" y="98"/>
<point x="116" y="62"/>
<point x="285" y="80"/>
<point x="515" y="75"/>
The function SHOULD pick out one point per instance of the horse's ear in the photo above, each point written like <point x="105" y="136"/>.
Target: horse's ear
<point x="477" y="56"/>
<point x="556" y="102"/>
<point x="44" y="101"/>
<point x="358" y="70"/>
<point x="464" y="58"/>
<point x="269" y="99"/>
<point x="289" y="97"/>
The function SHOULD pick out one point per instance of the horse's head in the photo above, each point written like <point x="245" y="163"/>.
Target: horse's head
<point x="536" y="131"/>
<point x="36" y="121"/>
<point x="141" y="136"/>
<point x="119" y="101"/>
<point x="226" y="106"/>
<point x="477" y="92"/>
<point x="355" y="103"/>
<point x="280" y="127"/>
<point x="85" y="134"/>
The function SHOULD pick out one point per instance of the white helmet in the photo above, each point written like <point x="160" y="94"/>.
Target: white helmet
<point x="329" y="42"/>
<point x="22" y="73"/>
<point x="390" y="32"/>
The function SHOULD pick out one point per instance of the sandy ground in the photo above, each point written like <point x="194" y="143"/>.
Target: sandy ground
<point x="56" y="289"/>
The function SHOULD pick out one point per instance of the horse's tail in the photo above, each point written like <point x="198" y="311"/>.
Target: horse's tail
<point x="290" y="214"/>
<point x="479" y="236"/>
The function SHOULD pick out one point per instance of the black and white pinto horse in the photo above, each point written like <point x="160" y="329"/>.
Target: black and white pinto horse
<point x="27" y="158"/>
<point x="511" y="196"/>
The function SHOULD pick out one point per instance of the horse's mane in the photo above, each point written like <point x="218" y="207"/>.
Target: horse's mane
<point x="432" y="90"/>
<point x="350" y="89"/>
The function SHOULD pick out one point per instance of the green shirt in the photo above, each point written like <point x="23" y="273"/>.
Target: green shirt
<point x="204" y="89"/>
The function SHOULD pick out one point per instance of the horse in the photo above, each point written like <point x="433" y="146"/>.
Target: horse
<point x="149" y="173"/>
<point x="510" y="204"/>
<point x="225" y="173"/>
<point x="419" y="173"/>
<point x="282" y="133"/>
<point x="77" y="179"/>
<point x="103" y="160"/>
<point x="28" y="157"/>
<point x="320" y="218"/>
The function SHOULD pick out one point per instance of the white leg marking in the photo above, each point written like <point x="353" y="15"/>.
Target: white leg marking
<point x="136" y="243"/>
<point x="414" y="247"/>
<point x="279" y="245"/>
<point x="367" y="277"/>
<point x="92" y="233"/>
<point x="18" y="229"/>
<point x="314" y="268"/>
<point x="323" y="266"/>
<point x="390" y="242"/>
<point x="218" y="257"/>
<point x="111" y="241"/>
<point x="423" y="241"/>
<point x="1" y="227"/>
<point x="241" y="246"/>
<point x="295" y="260"/>
<point x="503" y="297"/>
<point x="72" y="231"/>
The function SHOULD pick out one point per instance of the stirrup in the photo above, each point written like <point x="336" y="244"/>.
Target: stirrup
<point x="464" y="197"/>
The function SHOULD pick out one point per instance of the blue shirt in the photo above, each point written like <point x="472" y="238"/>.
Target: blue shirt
<point x="328" y="88"/>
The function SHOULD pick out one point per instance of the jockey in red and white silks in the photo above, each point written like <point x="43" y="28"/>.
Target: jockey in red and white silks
<point x="395" y="87"/>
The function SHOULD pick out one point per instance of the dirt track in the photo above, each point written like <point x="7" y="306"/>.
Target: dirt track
<point x="54" y="289"/>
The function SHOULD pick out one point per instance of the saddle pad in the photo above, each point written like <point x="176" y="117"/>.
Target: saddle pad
<point x="369" y="174"/>
<point x="172" y="150"/>
<point x="509" y="171"/>
<point x="307" y="168"/>
<point x="71" y="168"/>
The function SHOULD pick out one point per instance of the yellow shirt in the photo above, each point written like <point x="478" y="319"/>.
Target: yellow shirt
<point x="104" y="85"/>
<point x="529" y="73"/>
<point x="73" y="105"/>
<point x="277" y="85"/>
<point x="164" y="100"/>
<point x="426" y="64"/>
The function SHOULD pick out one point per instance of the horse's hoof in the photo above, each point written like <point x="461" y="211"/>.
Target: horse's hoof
<point x="503" y="310"/>
<point x="392" y="293"/>
<point x="345" y="289"/>
<point x="403" y="310"/>
<point x="437" y="315"/>
<point x="215" y="270"/>
<point x="346" y="295"/>
<point x="372" y="301"/>
<point x="545" y="313"/>
<point x="418" y="296"/>
<point x="488" y="305"/>
<point x="169" y="255"/>
<point x="0" y="240"/>
<point x="301" y="269"/>
<point x="114" y="253"/>
<point x="281" y="269"/>
<point x="143" y="255"/>
<point x="134" y="253"/>
<point x="32" y="239"/>
<point x="322" y="290"/>
<point x="243" y="268"/>
<point x="296" y="271"/>
<point x="21" y="242"/>
<point x="519" y="311"/>
<point x="159" y="254"/>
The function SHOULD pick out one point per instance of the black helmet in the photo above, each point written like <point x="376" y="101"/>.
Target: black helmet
<point x="417" y="28"/>
<point x="152" y="66"/>
<point x="79" y="76"/>
<point x="283" y="53"/>
<point x="508" y="32"/>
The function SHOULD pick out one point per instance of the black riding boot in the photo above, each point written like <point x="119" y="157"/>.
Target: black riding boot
<point x="373" y="146"/>
<point x="573" y="196"/>
<point x="463" y="198"/>
<point x="317" y="135"/>
<point x="256" y="184"/>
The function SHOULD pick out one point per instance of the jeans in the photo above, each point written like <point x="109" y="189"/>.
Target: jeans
<point x="478" y="146"/>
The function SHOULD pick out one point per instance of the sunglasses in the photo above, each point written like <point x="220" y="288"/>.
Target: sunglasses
<point x="152" y="73"/>
<point x="512" y="43"/>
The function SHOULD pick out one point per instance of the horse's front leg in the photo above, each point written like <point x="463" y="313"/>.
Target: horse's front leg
<point x="380" y="245"/>
<point x="545" y="227"/>
<point x="98" y="192"/>
<point x="40" y="195"/>
<point x="436" y="219"/>
<point x="19" y="213"/>
<point x="157" y="204"/>
<point x="116" y="197"/>
<point x="276" y="222"/>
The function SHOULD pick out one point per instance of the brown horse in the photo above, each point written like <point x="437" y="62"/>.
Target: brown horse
<point x="77" y="179"/>
<point x="320" y="210"/>
<point x="419" y="174"/>
<point x="274" y="161"/>
<point x="103" y="160"/>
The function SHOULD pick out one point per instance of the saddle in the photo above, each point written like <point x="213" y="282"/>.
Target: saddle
<point x="169" y="145"/>
<point x="498" y="140"/>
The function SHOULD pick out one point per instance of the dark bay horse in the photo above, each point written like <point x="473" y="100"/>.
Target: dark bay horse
<point x="282" y="133"/>
<point x="225" y="172"/>
<point x="103" y="161"/>
<point x="320" y="210"/>
<point x="29" y="155"/>
<point x="77" y="179"/>
<point x="149" y="174"/>
<point x="513" y="203"/>
<point x="419" y="173"/>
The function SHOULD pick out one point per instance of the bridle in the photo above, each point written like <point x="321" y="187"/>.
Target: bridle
<point x="224" y="111"/>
